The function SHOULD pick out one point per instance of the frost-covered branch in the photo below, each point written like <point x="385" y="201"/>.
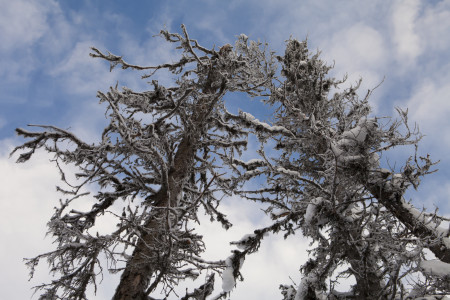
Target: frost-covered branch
<point x="150" y="171"/>
<point x="168" y="151"/>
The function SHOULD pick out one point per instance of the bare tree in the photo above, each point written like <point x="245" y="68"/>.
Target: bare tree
<point x="171" y="150"/>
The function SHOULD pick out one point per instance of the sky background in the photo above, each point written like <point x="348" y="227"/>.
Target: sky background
<point x="47" y="77"/>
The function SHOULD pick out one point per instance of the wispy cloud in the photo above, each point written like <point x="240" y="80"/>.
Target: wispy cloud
<point x="359" y="51"/>
<point x="405" y="37"/>
<point x="22" y="22"/>
<point x="81" y="74"/>
<point x="24" y="211"/>
<point x="403" y="40"/>
<point x="433" y="27"/>
<point x="429" y="106"/>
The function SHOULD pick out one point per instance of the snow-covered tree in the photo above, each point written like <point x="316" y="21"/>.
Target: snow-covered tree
<point x="326" y="181"/>
<point x="172" y="150"/>
<point x="162" y="156"/>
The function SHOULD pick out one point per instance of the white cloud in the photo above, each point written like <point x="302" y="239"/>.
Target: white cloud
<point x="433" y="27"/>
<point x="360" y="52"/>
<point x="347" y="34"/>
<point x="405" y="37"/>
<point x="27" y="198"/>
<point x="82" y="75"/>
<point x="28" y="28"/>
<point x="64" y="31"/>
<point x="426" y="84"/>
<point x="22" y="22"/>
<point x="209" y="24"/>
<point x="430" y="108"/>
<point x="359" y="46"/>
<point x="275" y="263"/>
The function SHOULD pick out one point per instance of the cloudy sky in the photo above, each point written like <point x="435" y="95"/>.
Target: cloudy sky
<point x="47" y="77"/>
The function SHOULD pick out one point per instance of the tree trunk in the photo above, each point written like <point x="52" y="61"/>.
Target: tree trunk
<point x="140" y="267"/>
<point x="368" y="283"/>
<point x="147" y="256"/>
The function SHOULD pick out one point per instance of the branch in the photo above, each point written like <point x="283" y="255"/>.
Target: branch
<point x="393" y="200"/>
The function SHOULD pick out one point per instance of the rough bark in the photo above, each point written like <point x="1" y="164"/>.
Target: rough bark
<point x="147" y="258"/>
<point x="368" y="282"/>
<point x="136" y="277"/>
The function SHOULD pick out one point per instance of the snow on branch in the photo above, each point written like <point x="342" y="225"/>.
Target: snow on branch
<point x="346" y="149"/>
<point x="428" y="221"/>
<point x="436" y="267"/>
<point x="170" y="150"/>
<point x="262" y="126"/>
<point x="298" y="176"/>
<point x="233" y="265"/>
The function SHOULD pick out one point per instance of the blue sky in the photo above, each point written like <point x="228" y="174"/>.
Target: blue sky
<point x="47" y="77"/>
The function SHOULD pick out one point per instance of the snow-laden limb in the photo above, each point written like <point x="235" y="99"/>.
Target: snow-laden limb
<point x="311" y="210"/>
<point x="353" y="213"/>
<point x="249" y="118"/>
<point x="447" y="241"/>
<point x="307" y="288"/>
<point x="436" y="267"/>
<point x="233" y="264"/>
<point x="337" y="151"/>
<point x="202" y="291"/>
<point x="427" y="221"/>
<point x="347" y="148"/>
<point x="245" y="241"/>
<point x="250" y="164"/>
<point x="252" y="173"/>
<point x="305" y="284"/>
<point x="288" y="292"/>
<point x="228" y="281"/>
<point x="390" y="194"/>
<point x="279" y="212"/>
<point x="359" y="133"/>
<point x="297" y="175"/>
